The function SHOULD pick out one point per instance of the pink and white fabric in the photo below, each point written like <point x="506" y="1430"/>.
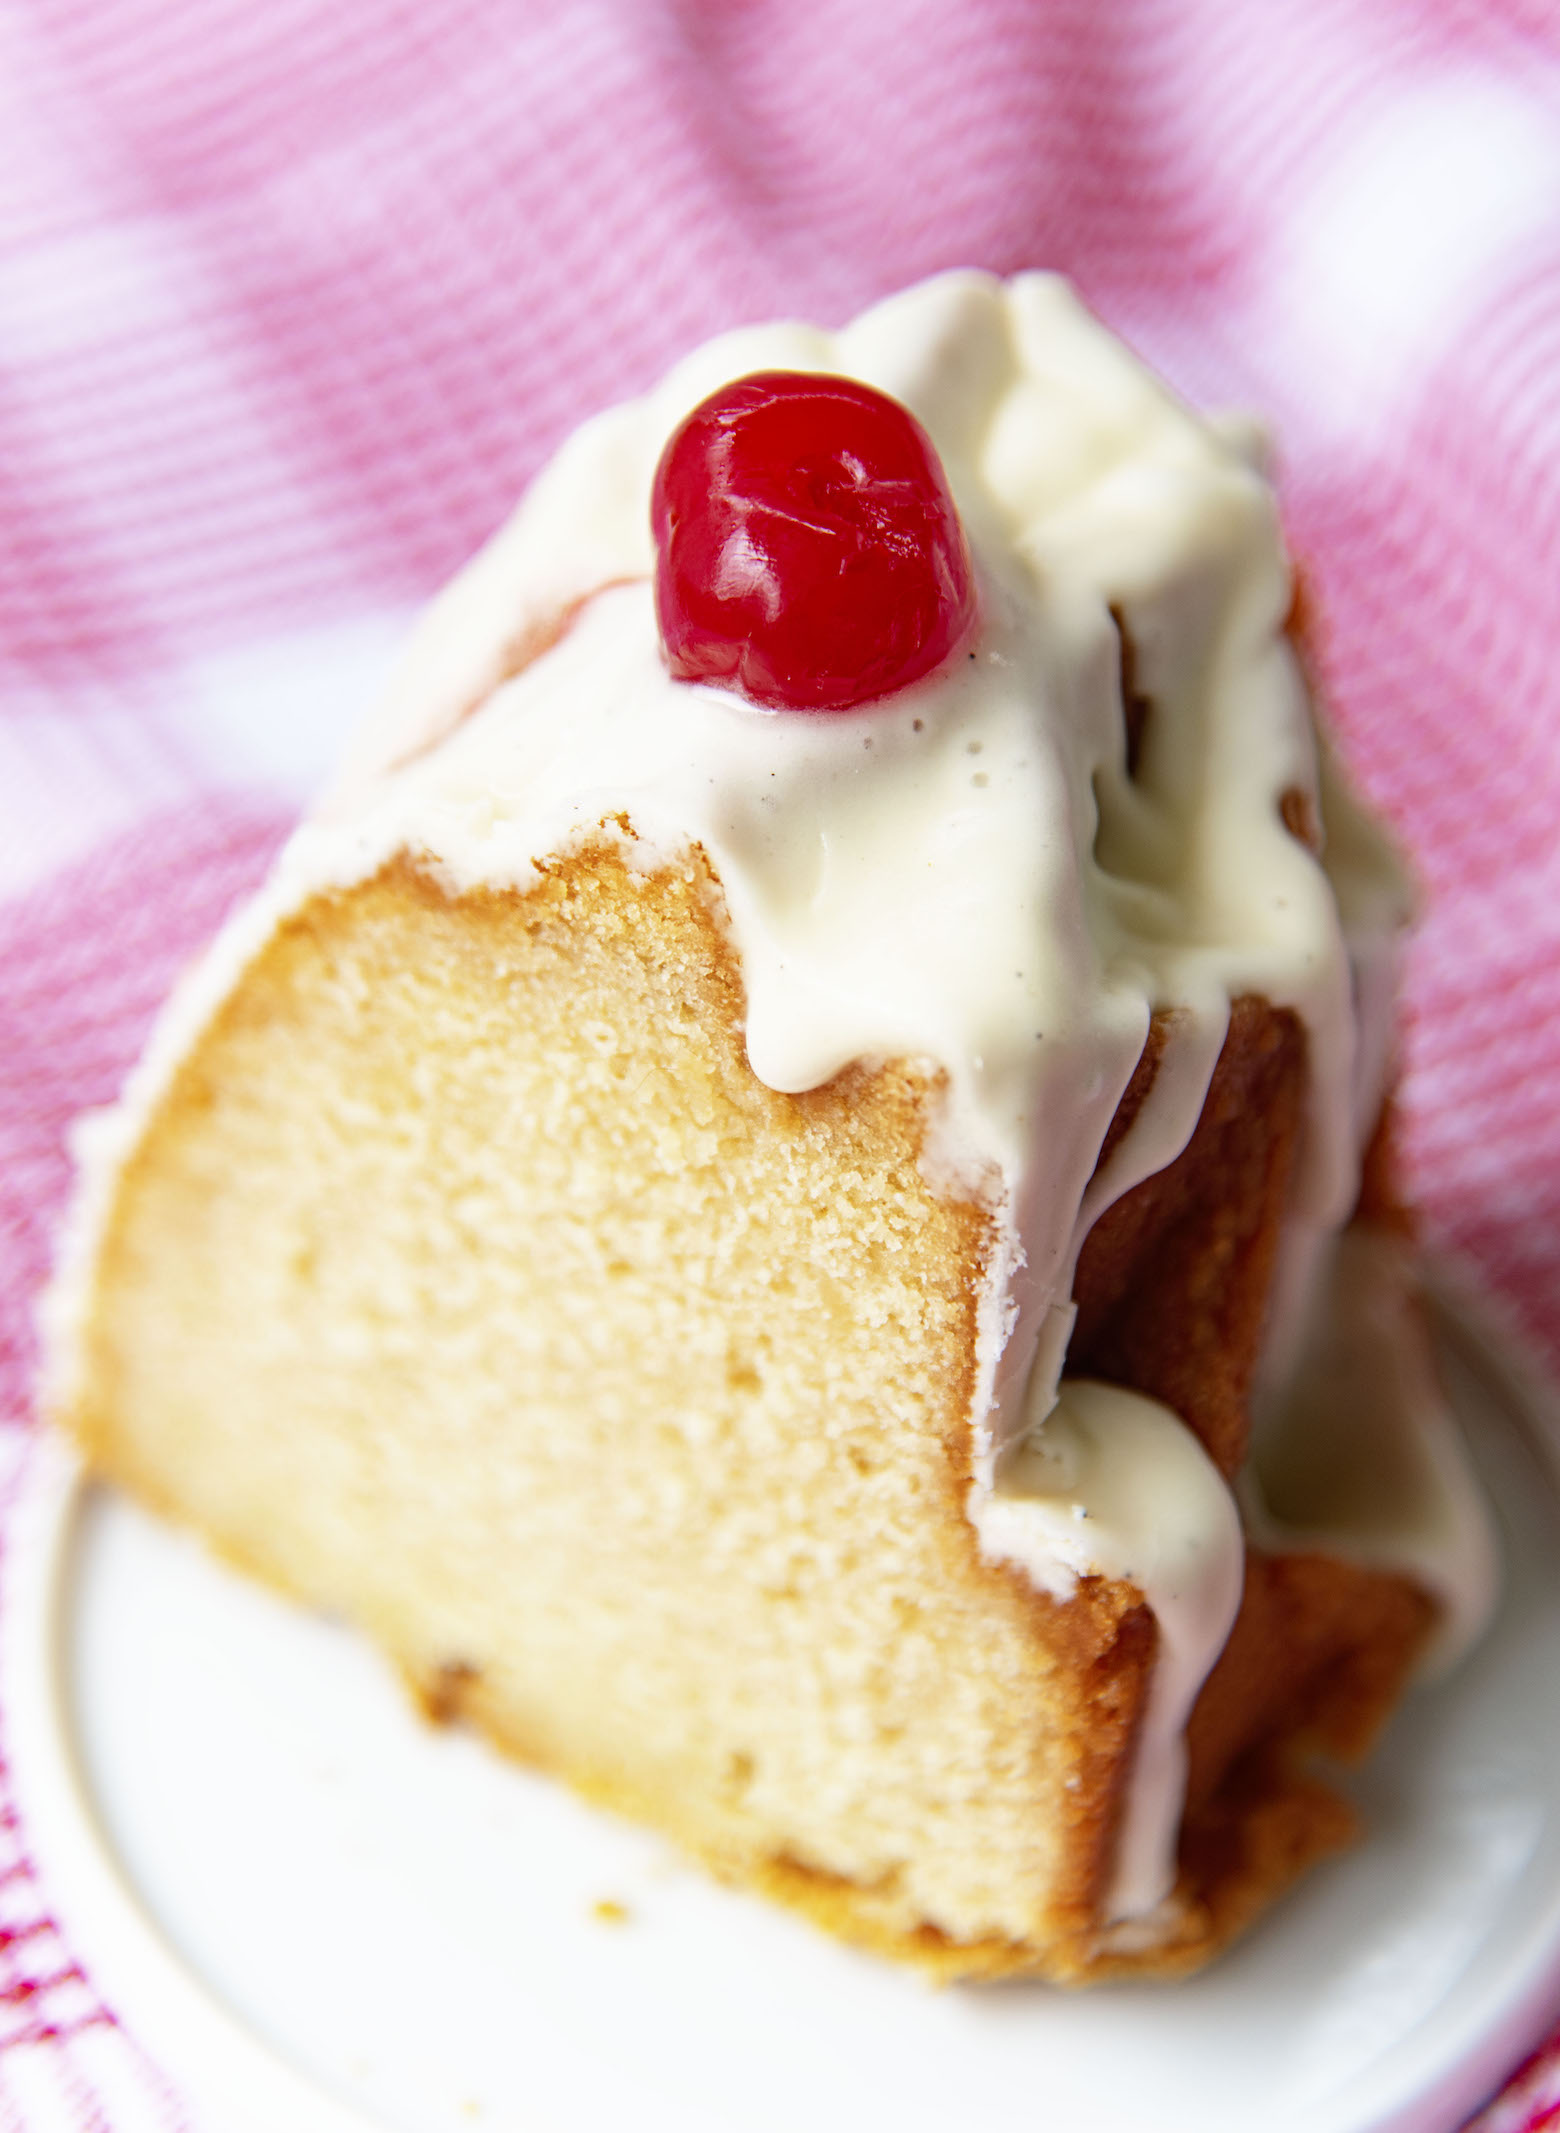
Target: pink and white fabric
<point x="294" y="298"/>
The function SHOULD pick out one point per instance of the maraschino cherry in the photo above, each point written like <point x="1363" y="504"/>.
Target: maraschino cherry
<point x="808" y="552"/>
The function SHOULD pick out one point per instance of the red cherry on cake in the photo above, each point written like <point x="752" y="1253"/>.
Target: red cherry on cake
<point x="808" y="552"/>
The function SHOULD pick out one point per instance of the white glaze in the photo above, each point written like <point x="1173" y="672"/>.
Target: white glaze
<point x="1117" y="1485"/>
<point x="962" y="873"/>
<point x="1357" y="1454"/>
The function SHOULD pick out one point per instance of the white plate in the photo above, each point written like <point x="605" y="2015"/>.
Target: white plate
<point x="319" y="1914"/>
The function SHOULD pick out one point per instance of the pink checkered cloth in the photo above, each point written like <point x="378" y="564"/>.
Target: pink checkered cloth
<point x="294" y="297"/>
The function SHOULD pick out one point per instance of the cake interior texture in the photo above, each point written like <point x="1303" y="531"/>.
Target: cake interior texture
<point x="469" y="1284"/>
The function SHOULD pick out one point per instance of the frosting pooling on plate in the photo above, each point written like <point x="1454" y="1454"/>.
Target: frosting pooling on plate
<point x="966" y="873"/>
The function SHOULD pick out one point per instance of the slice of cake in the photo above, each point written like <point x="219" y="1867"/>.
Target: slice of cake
<point x="786" y="1193"/>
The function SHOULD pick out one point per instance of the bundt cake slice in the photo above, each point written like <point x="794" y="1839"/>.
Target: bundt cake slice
<point x="774" y="1252"/>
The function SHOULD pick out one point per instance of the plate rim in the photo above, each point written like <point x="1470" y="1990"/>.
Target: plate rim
<point x="234" y="2077"/>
